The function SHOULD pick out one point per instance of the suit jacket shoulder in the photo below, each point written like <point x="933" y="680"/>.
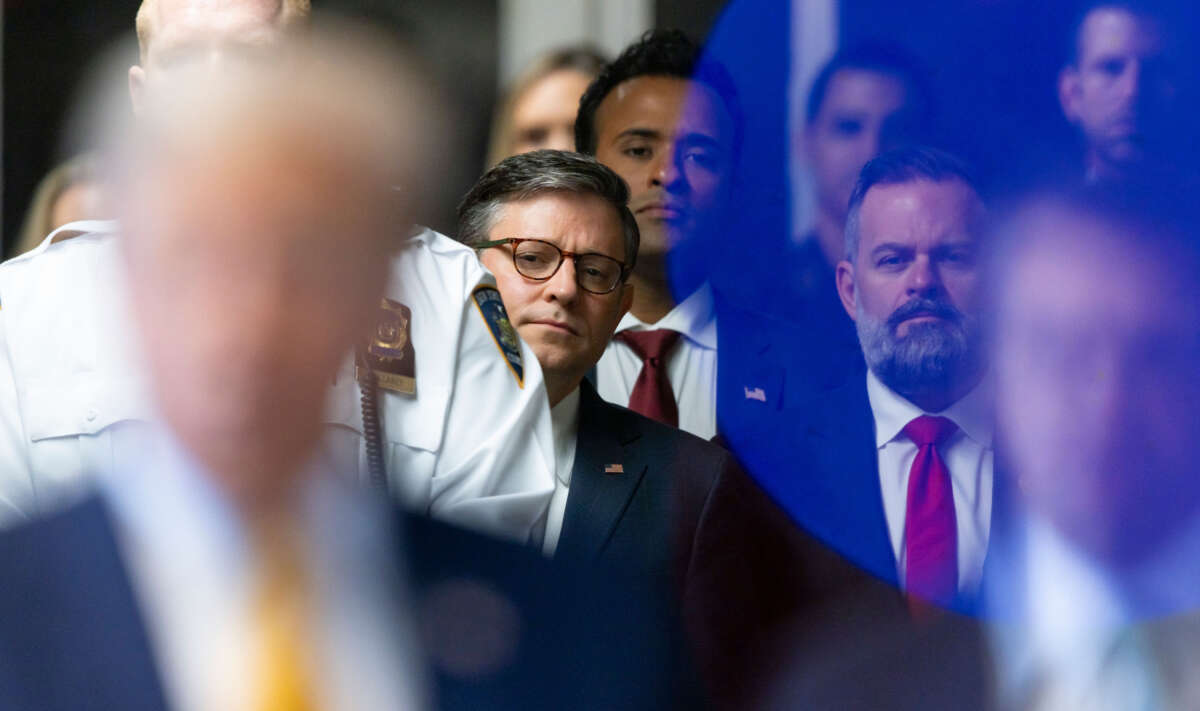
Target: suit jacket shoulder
<point x="72" y="637"/>
<point x="637" y="488"/>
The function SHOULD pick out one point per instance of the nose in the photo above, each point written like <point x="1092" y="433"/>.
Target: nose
<point x="665" y="172"/>
<point x="1131" y="80"/>
<point x="923" y="277"/>
<point x="562" y="287"/>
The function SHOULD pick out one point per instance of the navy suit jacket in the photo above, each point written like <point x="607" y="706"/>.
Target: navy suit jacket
<point x="643" y="518"/>
<point x="766" y="365"/>
<point x="820" y="464"/>
<point x="74" y="639"/>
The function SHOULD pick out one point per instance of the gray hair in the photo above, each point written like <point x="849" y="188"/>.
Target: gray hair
<point x="528" y="175"/>
<point x="901" y="165"/>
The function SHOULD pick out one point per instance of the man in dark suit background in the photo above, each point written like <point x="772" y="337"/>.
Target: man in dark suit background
<point x="1120" y="90"/>
<point x="555" y="230"/>
<point x="670" y="125"/>
<point x="895" y="470"/>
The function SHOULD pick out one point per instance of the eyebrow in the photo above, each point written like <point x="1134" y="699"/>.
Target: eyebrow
<point x="703" y="139"/>
<point x="640" y="133"/>
<point x="890" y="246"/>
<point x="942" y="247"/>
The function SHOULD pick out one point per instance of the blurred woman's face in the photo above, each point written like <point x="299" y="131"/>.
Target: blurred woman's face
<point x="544" y="114"/>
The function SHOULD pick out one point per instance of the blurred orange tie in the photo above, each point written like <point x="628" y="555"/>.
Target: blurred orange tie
<point x="281" y="607"/>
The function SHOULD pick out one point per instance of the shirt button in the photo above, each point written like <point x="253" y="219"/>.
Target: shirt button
<point x="91" y="415"/>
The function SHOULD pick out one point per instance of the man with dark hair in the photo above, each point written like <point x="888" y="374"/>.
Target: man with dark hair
<point x="555" y="230"/>
<point x="1118" y="89"/>
<point x="670" y="126"/>
<point x="631" y="493"/>
<point x="865" y="100"/>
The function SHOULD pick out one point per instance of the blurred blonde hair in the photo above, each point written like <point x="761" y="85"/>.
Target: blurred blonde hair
<point x="80" y="169"/>
<point x="290" y="11"/>
<point x="585" y="60"/>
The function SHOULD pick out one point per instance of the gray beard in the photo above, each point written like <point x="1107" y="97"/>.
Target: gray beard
<point x="932" y="356"/>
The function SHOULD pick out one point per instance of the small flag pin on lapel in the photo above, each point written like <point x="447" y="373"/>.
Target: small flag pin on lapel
<point x="755" y="394"/>
<point x="614" y="469"/>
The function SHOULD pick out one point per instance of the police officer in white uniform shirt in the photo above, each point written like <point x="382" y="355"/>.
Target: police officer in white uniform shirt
<point x="460" y="400"/>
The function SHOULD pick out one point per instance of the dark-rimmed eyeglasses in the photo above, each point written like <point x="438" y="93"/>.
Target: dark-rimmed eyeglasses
<point x="539" y="260"/>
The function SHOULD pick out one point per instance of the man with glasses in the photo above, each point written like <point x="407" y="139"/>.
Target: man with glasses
<point x="555" y="230"/>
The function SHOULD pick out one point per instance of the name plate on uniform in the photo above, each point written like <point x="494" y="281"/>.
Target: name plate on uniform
<point x="389" y="351"/>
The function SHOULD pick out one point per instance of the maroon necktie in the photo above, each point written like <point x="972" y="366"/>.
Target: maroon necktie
<point x="652" y="395"/>
<point x="930" y="532"/>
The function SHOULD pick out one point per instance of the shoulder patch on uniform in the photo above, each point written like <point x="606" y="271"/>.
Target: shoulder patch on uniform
<point x="390" y="353"/>
<point x="491" y="308"/>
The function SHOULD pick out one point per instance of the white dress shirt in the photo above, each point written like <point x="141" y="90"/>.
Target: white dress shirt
<point x="967" y="454"/>
<point x="565" y="418"/>
<point x="691" y="367"/>
<point x="188" y="555"/>
<point x="71" y="379"/>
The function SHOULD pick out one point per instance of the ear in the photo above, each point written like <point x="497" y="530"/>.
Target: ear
<point x="845" y="287"/>
<point x="1068" y="93"/>
<point x="137" y="89"/>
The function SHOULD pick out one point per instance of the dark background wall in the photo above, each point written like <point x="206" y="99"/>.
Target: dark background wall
<point x="47" y="46"/>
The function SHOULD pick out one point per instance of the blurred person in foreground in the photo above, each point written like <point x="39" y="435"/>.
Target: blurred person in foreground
<point x="671" y="129"/>
<point x="865" y="100"/>
<point x="538" y="109"/>
<point x="1093" y="597"/>
<point x="69" y="193"/>
<point x="1120" y="90"/>
<point x="229" y="565"/>
<point x="1097" y="405"/>
<point x="403" y="411"/>
<point x="224" y="566"/>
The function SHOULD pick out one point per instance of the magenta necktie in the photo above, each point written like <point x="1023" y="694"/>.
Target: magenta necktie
<point x="930" y="532"/>
<point x="652" y="395"/>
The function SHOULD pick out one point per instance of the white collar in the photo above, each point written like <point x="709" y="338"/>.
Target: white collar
<point x="564" y="419"/>
<point x="693" y="317"/>
<point x="972" y="413"/>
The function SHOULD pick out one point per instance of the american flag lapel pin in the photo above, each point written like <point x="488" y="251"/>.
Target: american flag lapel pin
<point x="614" y="469"/>
<point x="755" y="394"/>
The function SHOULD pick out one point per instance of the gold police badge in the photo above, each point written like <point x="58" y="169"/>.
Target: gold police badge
<point x="389" y="352"/>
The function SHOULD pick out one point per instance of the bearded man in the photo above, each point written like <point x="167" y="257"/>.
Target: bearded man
<point x="894" y="471"/>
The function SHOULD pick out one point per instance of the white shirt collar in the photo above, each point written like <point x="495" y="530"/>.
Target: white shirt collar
<point x="564" y="418"/>
<point x="183" y="540"/>
<point x="693" y="317"/>
<point x="972" y="413"/>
